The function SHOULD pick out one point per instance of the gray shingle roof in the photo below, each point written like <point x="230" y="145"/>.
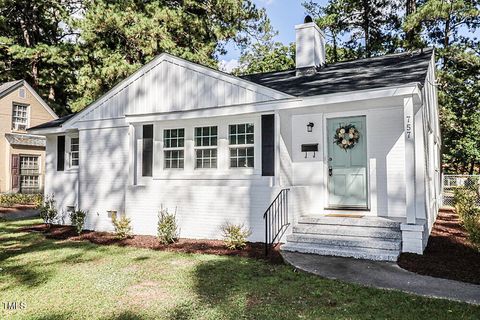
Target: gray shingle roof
<point x="52" y="124"/>
<point x="19" y="139"/>
<point x="384" y="71"/>
<point x="4" y="87"/>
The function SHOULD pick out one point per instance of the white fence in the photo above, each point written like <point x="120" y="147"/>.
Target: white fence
<point x="451" y="182"/>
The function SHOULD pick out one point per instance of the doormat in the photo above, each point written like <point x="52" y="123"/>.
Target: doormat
<point x="344" y="215"/>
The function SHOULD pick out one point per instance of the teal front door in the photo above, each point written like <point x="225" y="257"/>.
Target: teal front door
<point x="347" y="163"/>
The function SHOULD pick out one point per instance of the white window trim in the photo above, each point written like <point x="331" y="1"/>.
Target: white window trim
<point x="13" y="125"/>
<point x="211" y="147"/>
<point x="245" y="145"/>
<point x="164" y="149"/>
<point x="68" y="151"/>
<point x="189" y="172"/>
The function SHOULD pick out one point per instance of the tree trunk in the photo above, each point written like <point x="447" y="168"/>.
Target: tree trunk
<point x="335" y="53"/>
<point x="472" y="167"/>
<point x="366" y="27"/>
<point x="411" y="7"/>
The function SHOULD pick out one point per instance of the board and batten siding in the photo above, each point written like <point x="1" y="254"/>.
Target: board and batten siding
<point x="103" y="174"/>
<point x="62" y="184"/>
<point x="171" y="85"/>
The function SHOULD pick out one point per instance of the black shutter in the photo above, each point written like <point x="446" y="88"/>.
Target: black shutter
<point x="268" y="145"/>
<point x="60" y="153"/>
<point x="147" y="152"/>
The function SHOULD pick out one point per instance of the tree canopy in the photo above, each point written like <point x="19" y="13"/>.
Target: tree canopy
<point x="72" y="51"/>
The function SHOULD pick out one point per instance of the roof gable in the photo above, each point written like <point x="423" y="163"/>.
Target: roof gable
<point x="10" y="86"/>
<point x="169" y="83"/>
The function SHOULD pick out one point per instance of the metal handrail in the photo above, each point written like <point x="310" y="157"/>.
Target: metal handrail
<point x="276" y="219"/>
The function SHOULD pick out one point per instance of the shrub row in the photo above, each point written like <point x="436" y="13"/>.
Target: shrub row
<point x="11" y="199"/>
<point x="235" y="236"/>
<point x="466" y="206"/>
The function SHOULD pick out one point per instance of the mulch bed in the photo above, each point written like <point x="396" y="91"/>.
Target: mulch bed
<point x="449" y="253"/>
<point x="253" y="250"/>
<point x="16" y="208"/>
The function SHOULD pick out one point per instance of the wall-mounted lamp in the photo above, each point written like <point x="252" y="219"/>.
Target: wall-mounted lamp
<point x="310" y="127"/>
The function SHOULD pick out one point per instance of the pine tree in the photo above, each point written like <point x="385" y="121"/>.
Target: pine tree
<point x="35" y="45"/>
<point x="117" y="37"/>
<point x="369" y="24"/>
<point x="265" y="54"/>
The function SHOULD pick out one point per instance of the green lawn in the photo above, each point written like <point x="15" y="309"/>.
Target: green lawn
<point x="80" y="280"/>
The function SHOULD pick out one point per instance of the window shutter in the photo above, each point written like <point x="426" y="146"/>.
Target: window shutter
<point x="268" y="145"/>
<point x="147" y="150"/>
<point x="60" y="153"/>
<point x="15" y="171"/>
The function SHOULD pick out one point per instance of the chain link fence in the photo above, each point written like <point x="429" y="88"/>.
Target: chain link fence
<point x="451" y="182"/>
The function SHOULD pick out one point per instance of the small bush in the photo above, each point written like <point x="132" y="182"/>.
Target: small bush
<point x="465" y="201"/>
<point x="78" y="219"/>
<point x="167" y="227"/>
<point x="122" y="226"/>
<point x="472" y="225"/>
<point x="48" y="211"/>
<point x="11" y="199"/>
<point x="235" y="236"/>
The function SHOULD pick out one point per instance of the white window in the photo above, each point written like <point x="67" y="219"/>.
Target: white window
<point x="29" y="174"/>
<point x="74" y="151"/>
<point x="173" y="148"/>
<point x="206" y="147"/>
<point x="21" y="93"/>
<point x="241" y="139"/>
<point x="19" y="117"/>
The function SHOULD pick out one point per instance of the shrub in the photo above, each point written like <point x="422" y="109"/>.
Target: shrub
<point x="78" y="219"/>
<point x="465" y="202"/>
<point x="472" y="225"/>
<point x="122" y="226"/>
<point x="466" y="208"/>
<point x="235" y="236"/>
<point x="11" y="199"/>
<point x="48" y="211"/>
<point x="167" y="227"/>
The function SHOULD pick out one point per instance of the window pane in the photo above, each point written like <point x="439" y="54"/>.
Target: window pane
<point x="241" y="134"/>
<point x="242" y="157"/>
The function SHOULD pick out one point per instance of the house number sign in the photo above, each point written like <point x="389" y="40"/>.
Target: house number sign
<point x="408" y="127"/>
<point x="408" y="122"/>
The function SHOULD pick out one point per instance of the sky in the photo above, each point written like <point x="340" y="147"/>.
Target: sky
<point x="284" y="15"/>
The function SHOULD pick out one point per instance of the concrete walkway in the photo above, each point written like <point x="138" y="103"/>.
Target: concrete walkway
<point x="20" y="214"/>
<point x="385" y="275"/>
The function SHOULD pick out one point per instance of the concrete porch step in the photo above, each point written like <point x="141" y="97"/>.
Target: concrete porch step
<point x="345" y="241"/>
<point x="339" y="251"/>
<point x="352" y="231"/>
<point x="345" y="221"/>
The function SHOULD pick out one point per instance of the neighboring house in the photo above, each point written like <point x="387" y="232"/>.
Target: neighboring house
<point x="216" y="148"/>
<point x="22" y="156"/>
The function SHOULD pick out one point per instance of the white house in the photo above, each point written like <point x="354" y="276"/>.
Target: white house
<point x="355" y="147"/>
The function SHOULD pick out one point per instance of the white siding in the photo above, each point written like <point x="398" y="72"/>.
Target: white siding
<point x="62" y="184"/>
<point x="202" y="207"/>
<point x="170" y="86"/>
<point x="103" y="174"/>
<point x="387" y="146"/>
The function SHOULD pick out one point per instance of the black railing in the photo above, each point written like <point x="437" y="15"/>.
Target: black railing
<point x="276" y="219"/>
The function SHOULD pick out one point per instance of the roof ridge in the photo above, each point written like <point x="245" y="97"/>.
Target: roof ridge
<point x="389" y="55"/>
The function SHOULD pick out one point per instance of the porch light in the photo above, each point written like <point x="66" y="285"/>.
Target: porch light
<point x="310" y="127"/>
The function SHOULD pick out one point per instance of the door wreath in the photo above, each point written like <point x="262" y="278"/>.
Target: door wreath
<point x="346" y="137"/>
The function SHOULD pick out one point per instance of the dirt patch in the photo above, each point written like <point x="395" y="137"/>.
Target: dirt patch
<point x="16" y="208"/>
<point x="145" y="293"/>
<point x="449" y="253"/>
<point x="253" y="249"/>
